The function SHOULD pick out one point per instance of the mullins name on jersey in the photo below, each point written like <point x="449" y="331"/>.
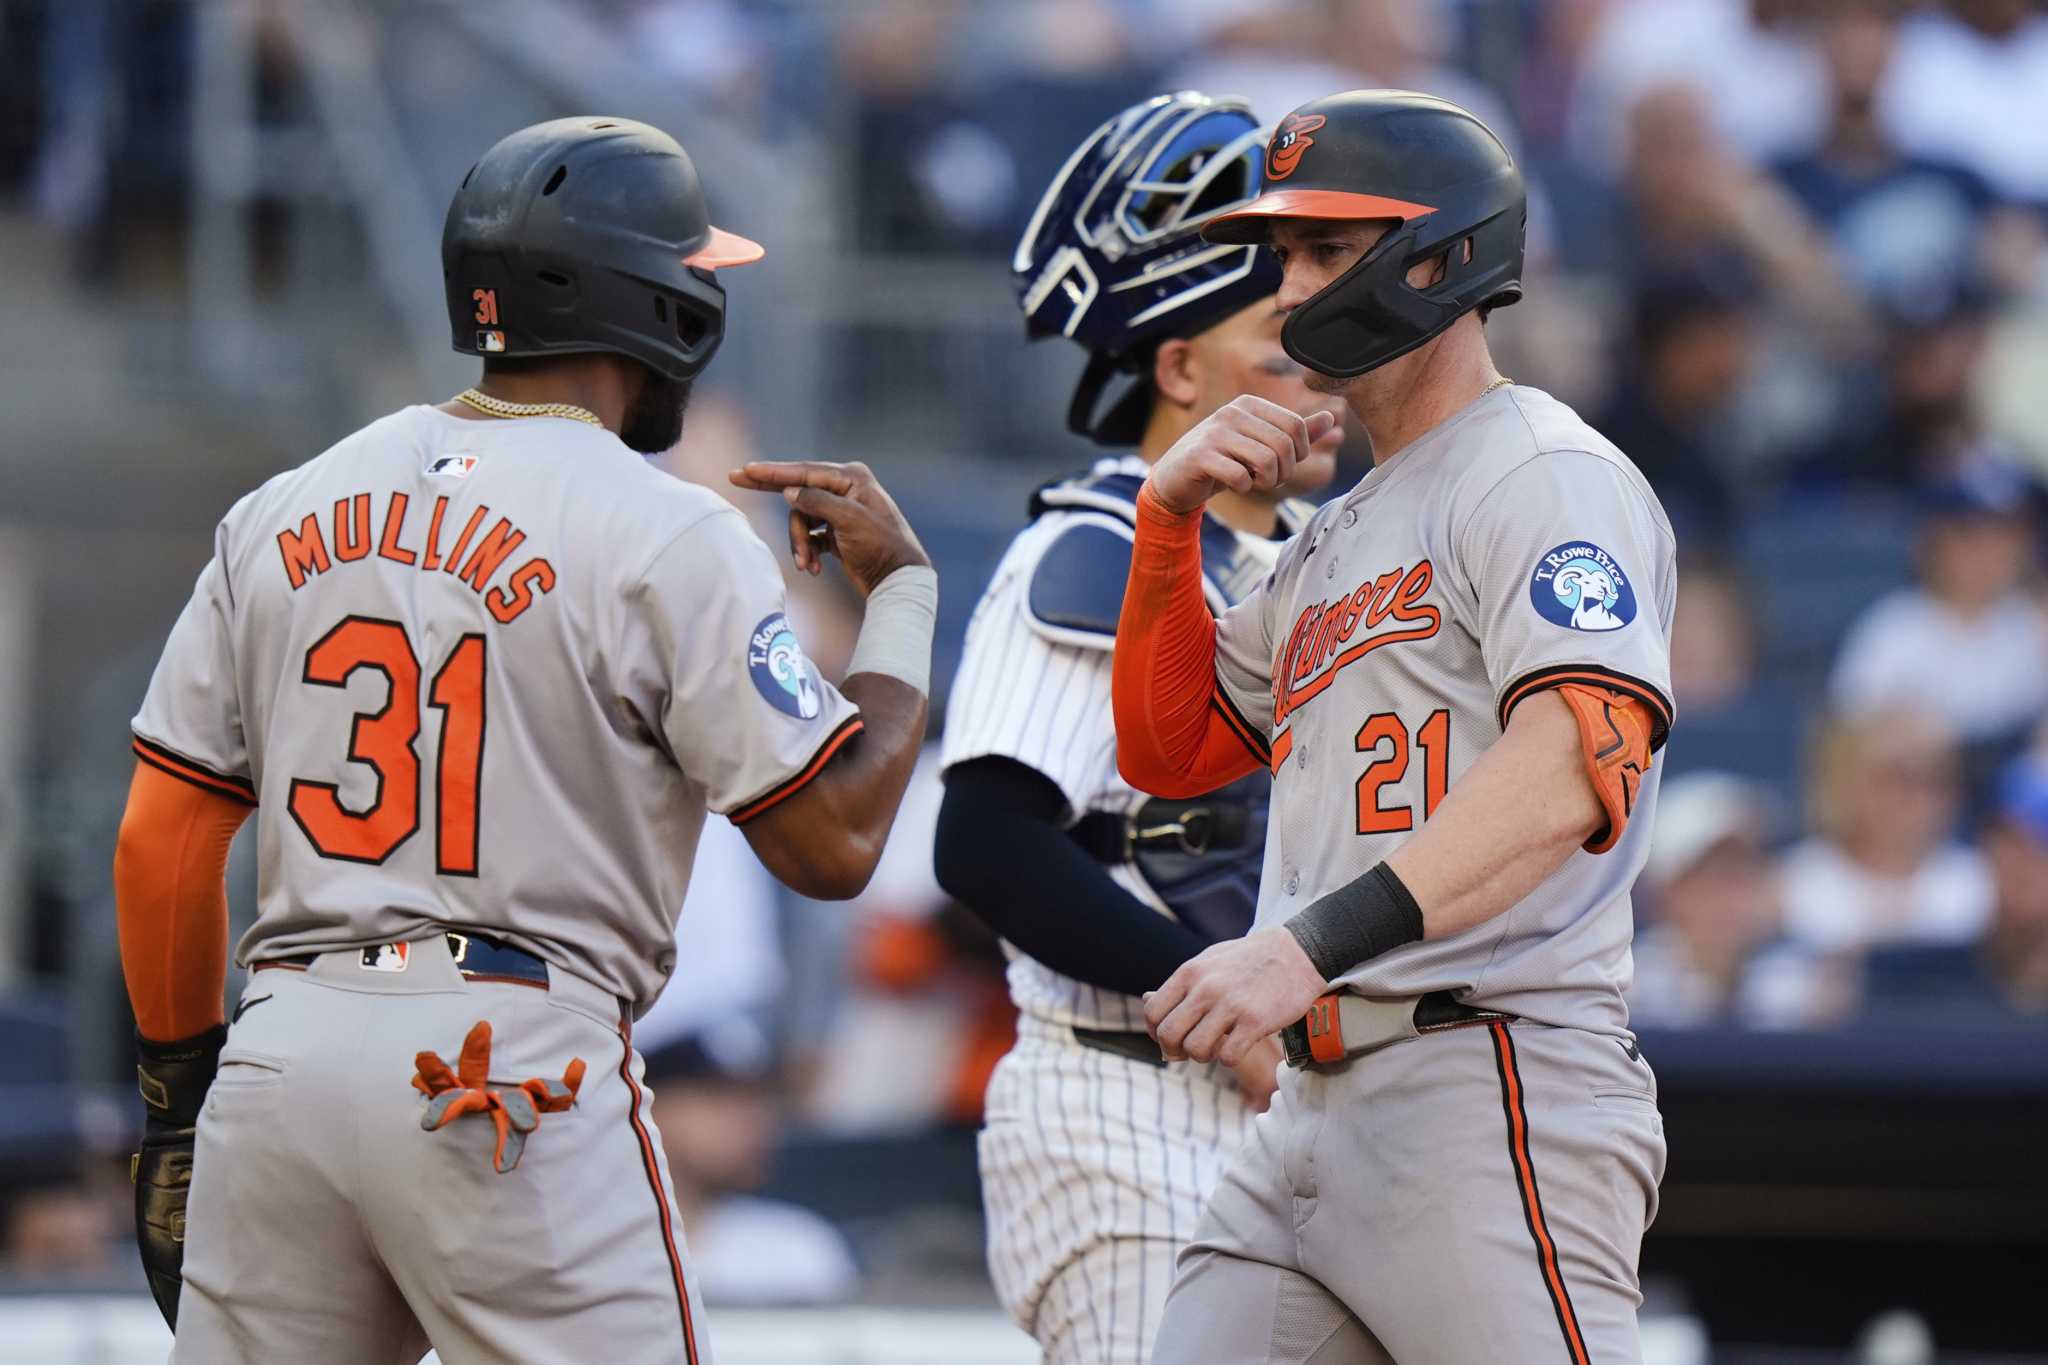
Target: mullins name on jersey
<point x="308" y="549"/>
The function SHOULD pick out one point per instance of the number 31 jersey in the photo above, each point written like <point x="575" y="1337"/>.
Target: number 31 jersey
<point x="1509" y="550"/>
<point x="487" y="675"/>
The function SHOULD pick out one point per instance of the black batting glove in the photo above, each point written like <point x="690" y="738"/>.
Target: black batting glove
<point x="174" y="1078"/>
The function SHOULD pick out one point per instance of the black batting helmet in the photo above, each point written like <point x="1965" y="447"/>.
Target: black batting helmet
<point x="587" y="234"/>
<point x="1376" y="154"/>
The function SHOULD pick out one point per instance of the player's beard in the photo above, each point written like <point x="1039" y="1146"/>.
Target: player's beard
<point x="654" y="420"/>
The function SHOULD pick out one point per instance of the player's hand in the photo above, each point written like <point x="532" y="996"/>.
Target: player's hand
<point x="1258" y="1075"/>
<point x="1232" y="996"/>
<point x="838" y="509"/>
<point x="1249" y="442"/>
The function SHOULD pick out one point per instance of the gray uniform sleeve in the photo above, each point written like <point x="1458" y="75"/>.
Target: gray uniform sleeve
<point x="743" y="711"/>
<point x="1244" y="660"/>
<point x="1570" y="567"/>
<point x="190" y="724"/>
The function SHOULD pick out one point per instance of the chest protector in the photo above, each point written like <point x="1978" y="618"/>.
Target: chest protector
<point x="1200" y="857"/>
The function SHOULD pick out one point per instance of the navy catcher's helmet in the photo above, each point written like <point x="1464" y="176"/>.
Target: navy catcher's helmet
<point x="1424" y="162"/>
<point x="587" y="234"/>
<point x="1113" y="257"/>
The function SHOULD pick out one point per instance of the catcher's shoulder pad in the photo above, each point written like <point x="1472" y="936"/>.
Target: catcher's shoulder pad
<point x="1077" y="587"/>
<point x="1111" y="492"/>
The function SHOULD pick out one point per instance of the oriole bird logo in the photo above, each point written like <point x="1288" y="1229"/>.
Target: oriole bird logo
<point x="1289" y="143"/>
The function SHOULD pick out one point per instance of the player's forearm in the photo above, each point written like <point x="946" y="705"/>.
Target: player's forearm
<point x="1000" y="852"/>
<point x="826" y="840"/>
<point x="170" y="903"/>
<point x="1489" y="845"/>
<point x="1171" y="738"/>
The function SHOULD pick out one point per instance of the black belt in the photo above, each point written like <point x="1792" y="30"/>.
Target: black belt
<point x="1139" y="1047"/>
<point x="1437" y="1010"/>
<point x="1192" y="827"/>
<point x="476" y="957"/>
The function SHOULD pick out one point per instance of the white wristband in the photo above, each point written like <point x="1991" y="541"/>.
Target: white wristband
<point x="896" y="634"/>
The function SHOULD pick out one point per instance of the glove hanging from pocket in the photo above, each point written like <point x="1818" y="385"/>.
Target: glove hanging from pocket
<point x="515" y="1111"/>
<point x="174" y="1078"/>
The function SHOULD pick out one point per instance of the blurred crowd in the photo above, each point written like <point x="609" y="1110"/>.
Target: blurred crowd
<point x="1790" y="255"/>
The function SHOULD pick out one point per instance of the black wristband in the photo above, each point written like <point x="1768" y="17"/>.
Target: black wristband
<point x="174" y="1077"/>
<point x="1361" y="919"/>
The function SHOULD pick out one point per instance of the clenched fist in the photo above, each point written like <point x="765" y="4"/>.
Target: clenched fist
<point x="1249" y="442"/>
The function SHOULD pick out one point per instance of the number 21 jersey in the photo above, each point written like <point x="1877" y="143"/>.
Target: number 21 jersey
<point x="1509" y="550"/>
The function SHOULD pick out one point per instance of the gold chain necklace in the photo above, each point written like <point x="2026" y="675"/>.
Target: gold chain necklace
<point x="498" y="407"/>
<point x="1499" y="383"/>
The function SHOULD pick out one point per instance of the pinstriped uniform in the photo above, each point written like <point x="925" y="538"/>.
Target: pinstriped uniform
<point x="1094" y="1166"/>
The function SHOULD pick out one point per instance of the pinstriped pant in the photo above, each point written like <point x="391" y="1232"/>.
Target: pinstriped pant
<point x="1094" y="1168"/>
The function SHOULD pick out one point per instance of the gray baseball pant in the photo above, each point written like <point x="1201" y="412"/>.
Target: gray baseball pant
<point x="1477" y="1194"/>
<point x="326" y="1225"/>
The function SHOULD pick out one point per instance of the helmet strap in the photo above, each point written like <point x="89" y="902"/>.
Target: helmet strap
<point x="1123" y="423"/>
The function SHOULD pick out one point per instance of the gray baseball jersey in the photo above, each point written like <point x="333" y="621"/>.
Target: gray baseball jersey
<point x="1510" y="549"/>
<point x="487" y="675"/>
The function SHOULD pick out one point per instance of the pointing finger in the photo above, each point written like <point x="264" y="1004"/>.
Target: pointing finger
<point x="770" y="476"/>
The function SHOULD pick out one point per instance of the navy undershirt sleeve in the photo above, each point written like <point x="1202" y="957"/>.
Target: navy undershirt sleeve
<point x="1001" y="853"/>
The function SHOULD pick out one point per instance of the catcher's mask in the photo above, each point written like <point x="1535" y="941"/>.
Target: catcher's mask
<point x="1113" y="257"/>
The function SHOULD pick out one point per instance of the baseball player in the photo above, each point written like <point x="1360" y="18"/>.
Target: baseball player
<point x="1096" y="1153"/>
<point x="483" y="669"/>
<point x="1457" y="675"/>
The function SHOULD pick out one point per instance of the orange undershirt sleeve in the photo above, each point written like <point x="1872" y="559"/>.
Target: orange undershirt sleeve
<point x="171" y="902"/>
<point x="1173" y="737"/>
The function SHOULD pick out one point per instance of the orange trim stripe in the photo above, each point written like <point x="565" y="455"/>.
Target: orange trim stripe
<point x="775" y="796"/>
<point x="1545" y="679"/>
<point x="1532" y="1200"/>
<point x="1305" y="203"/>
<point x="653" y="1167"/>
<point x="1239" y="726"/>
<point x="198" y="777"/>
<point x="1307" y="691"/>
<point x="1283" y="745"/>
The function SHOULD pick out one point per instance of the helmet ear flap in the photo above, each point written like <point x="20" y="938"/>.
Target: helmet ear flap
<point x="1369" y="314"/>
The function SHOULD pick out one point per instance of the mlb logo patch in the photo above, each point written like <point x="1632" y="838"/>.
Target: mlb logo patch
<point x="490" y="339"/>
<point x="387" y="957"/>
<point x="451" y="466"/>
